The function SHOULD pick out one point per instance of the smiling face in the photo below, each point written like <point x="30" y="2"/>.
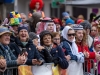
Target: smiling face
<point x="5" y="39"/>
<point x="71" y="35"/>
<point x="23" y="35"/>
<point x="79" y="35"/>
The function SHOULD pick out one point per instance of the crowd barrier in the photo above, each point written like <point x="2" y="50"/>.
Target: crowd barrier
<point x="90" y="67"/>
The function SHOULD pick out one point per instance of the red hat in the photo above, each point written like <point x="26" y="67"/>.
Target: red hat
<point x="57" y="21"/>
<point x="33" y="2"/>
<point x="96" y="41"/>
<point x="79" y="21"/>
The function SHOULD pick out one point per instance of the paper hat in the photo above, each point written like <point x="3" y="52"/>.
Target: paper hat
<point x="15" y="18"/>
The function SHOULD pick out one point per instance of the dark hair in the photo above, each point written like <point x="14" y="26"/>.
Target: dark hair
<point x="42" y="34"/>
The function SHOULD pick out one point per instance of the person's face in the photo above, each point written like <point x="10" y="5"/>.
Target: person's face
<point x="35" y="42"/>
<point x="58" y="27"/>
<point x="23" y="17"/>
<point x="5" y="39"/>
<point x="79" y="35"/>
<point x="15" y="28"/>
<point x="47" y="40"/>
<point x="56" y="39"/>
<point x="93" y="31"/>
<point x="50" y="27"/>
<point x="37" y="5"/>
<point x="23" y="35"/>
<point x="71" y="35"/>
<point x="97" y="47"/>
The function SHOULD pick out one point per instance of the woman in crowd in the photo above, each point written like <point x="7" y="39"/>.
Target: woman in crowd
<point x="42" y="51"/>
<point x="56" y="51"/>
<point x="57" y="40"/>
<point x="6" y="53"/>
<point x="24" y="44"/>
<point x="76" y="58"/>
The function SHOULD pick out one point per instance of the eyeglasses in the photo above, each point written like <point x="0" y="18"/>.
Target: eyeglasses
<point x="73" y="34"/>
<point x="56" y="38"/>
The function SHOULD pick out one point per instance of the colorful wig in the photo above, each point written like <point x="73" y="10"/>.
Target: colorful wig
<point x="33" y="3"/>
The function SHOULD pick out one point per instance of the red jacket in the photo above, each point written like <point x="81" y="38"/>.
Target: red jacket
<point x="82" y="48"/>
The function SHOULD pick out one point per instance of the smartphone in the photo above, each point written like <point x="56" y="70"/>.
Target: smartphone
<point x="23" y="51"/>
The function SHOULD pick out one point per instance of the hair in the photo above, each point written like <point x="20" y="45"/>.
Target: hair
<point x="54" y="34"/>
<point x="41" y="39"/>
<point x="23" y="14"/>
<point x="33" y="3"/>
<point x="83" y="42"/>
<point x="81" y="16"/>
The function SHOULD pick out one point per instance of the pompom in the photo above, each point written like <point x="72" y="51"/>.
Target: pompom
<point x="33" y="3"/>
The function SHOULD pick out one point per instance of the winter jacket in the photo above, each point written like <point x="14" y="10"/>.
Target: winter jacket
<point x="30" y="48"/>
<point x="88" y="63"/>
<point x="68" y="50"/>
<point x="6" y="52"/>
<point x="57" y="52"/>
<point x="45" y="54"/>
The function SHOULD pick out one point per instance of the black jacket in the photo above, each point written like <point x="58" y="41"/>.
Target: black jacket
<point x="30" y="48"/>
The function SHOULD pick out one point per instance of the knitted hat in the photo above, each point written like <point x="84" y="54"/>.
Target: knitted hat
<point x="69" y="21"/>
<point x="22" y="27"/>
<point x="42" y="34"/>
<point x="32" y="35"/>
<point x="96" y="41"/>
<point x="4" y="30"/>
<point x="65" y="14"/>
<point x="86" y="24"/>
<point x="78" y="27"/>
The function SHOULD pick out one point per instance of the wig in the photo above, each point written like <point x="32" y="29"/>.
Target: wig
<point x="33" y="3"/>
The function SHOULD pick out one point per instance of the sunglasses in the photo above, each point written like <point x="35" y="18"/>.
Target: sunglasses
<point x="73" y="34"/>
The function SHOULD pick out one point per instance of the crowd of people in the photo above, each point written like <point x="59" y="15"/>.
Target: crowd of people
<point x="36" y="39"/>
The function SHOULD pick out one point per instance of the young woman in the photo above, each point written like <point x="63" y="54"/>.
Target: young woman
<point x="76" y="58"/>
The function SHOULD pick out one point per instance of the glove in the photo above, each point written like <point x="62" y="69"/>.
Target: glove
<point x="80" y="57"/>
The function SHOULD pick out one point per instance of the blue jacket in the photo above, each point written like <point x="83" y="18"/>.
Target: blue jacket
<point x="68" y="50"/>
<point x="6" y="52"/>
<point x="57" y="52"/>
<point x="30" y="48"/>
